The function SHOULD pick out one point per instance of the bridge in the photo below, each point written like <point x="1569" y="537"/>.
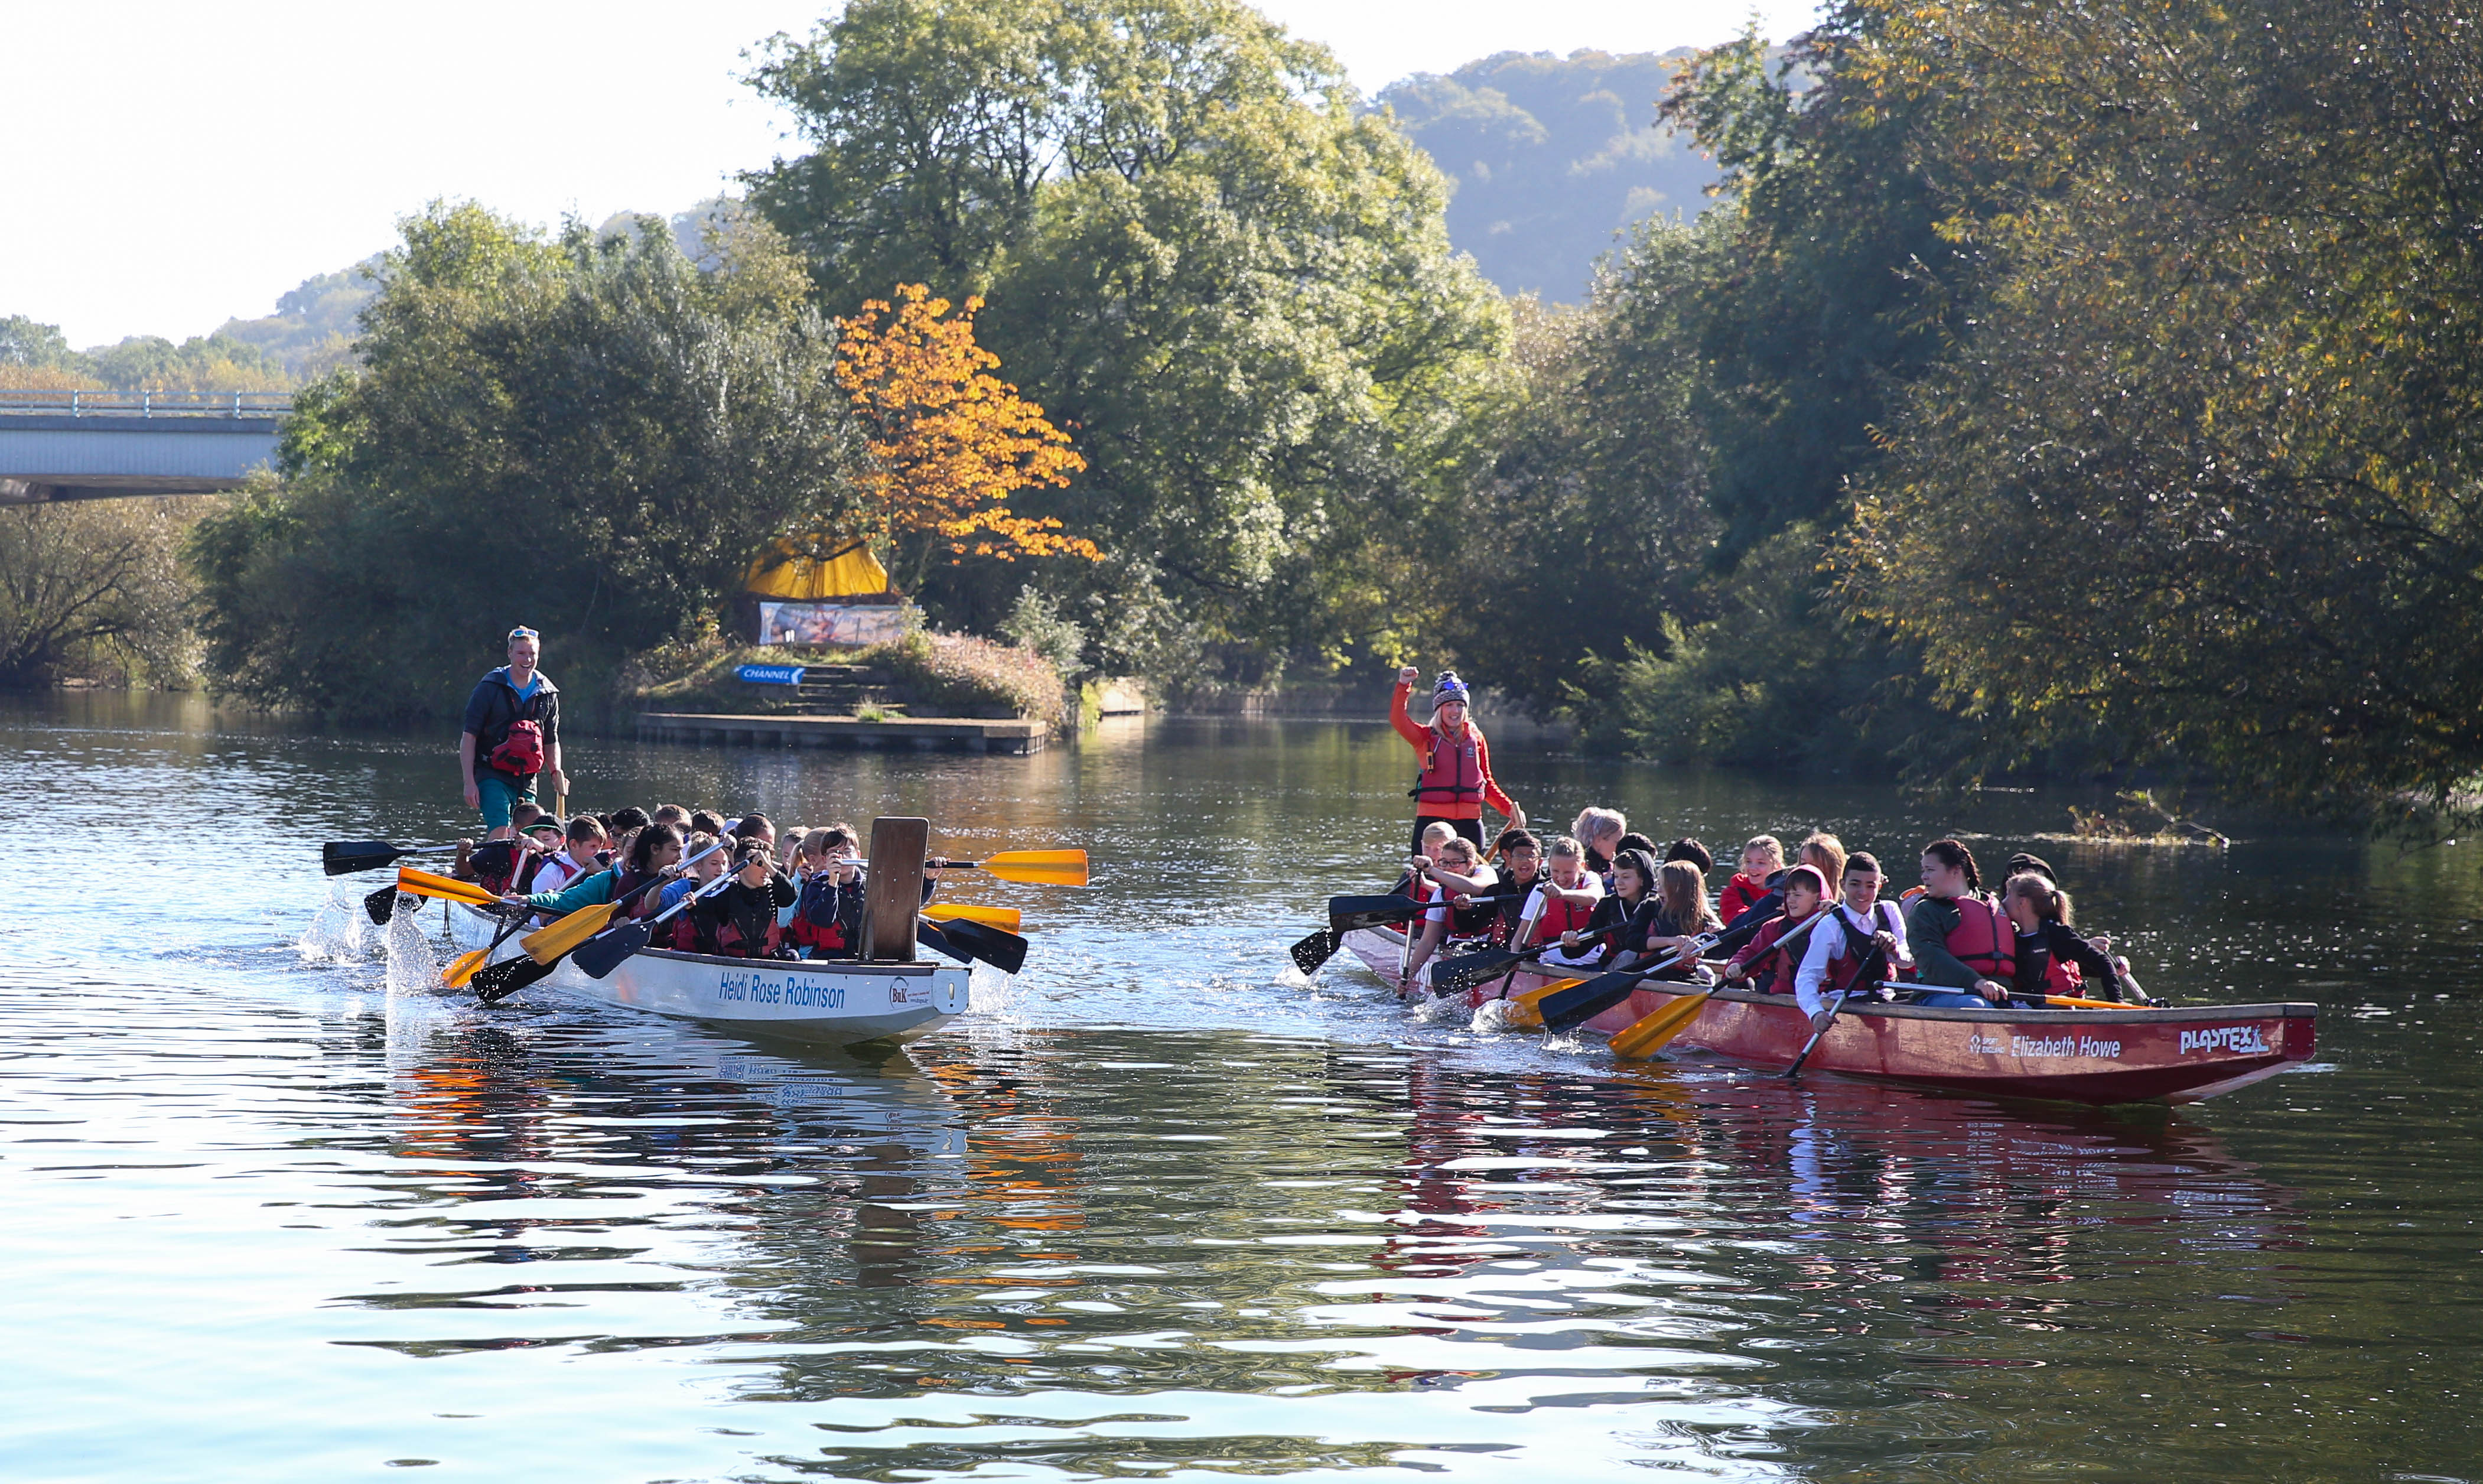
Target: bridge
<point x="103" y="445"/>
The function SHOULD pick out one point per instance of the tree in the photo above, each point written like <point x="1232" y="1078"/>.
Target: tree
<point x="92" y="585"/>
<point x="1591" y="529"/>
<point x="25" y="343"/>
<point x="586" y="434"/>
<point x="1840" y="287"/>
<point x="2202" y="474"/>
<point x="1199" y="254"/>
<point x="951" y="441"/>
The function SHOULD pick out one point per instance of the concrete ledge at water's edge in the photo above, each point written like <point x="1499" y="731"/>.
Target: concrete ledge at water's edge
<point x="922" y="734"/>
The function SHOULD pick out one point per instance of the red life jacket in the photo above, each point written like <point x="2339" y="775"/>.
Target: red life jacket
<point x="1777" y="969"/>
<point x="520" y="752"/>
<point x="2063" y="977"/>
<point x="495" y="865"/>
<point x="1860" y="951"/>
<point x="1984" y="939"/>
<point x="1559" y="918"/>
<point x="1452" y="776"/>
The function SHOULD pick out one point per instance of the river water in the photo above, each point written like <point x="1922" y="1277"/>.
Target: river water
<point x="1160" y="1209"/>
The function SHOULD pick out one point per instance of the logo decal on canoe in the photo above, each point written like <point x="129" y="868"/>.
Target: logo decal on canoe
<point x="2243" y="1039"/>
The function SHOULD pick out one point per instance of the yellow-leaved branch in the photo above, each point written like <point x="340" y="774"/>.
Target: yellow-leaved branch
<point x="950" y="442"/>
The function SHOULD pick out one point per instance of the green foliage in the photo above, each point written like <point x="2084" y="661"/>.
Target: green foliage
<point x="312" y="330"/>
<point x="215" y="362"/>
<point x="1552" y="157"/>
<point x="1233" y="287"/>
<point x="1036" y="623"/>
<point x="94" y="589"/>
<point x="2203" y="473"/>
<point x="25" y="343"/>
<point x="1839" y="285"/>
<point x="1771" y="677"/>
<point x="584" y="435"/>
<point x="1590" y="529"/>
<point x="958" y="675"/>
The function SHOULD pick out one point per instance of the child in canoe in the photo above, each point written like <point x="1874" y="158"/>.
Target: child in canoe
<point x="1769" y="961"/>
<point x="1762" y="859"/>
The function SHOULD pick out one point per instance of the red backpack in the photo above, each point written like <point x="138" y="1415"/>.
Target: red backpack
<point x="520" y="752"/>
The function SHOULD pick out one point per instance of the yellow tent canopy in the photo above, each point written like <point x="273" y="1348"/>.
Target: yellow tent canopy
<point x="787" y="571"/>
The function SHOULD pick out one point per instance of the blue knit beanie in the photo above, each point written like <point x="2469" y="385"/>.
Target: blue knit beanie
<point x="1450" y="688"/>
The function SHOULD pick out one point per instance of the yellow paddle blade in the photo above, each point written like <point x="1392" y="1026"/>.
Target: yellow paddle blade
<point x="1526" y="1011"/>
<point x="463" y="968"/>
<point x="989" y="916"/>
<point x="1650" y="1032"/>
<point x="545" y="944"/>
<point x="448" y="889"/>
<point x="1039" y="867"/>
<point x="2076" y="1002"/>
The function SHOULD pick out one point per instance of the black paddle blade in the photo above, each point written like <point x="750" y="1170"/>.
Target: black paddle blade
<point x="602" y="953"/>
<point x="937" y="941"/>
<point x="1345" y="913"/>
<point x="499" y="981"/>
<point x="1581" y="1003"/>
<point x="999" y="947"/>
<point x="1457" y="975"/>
<point x="382" y="904"/>
<point x="1313" y="951"/>
<point x="343" y="857"/>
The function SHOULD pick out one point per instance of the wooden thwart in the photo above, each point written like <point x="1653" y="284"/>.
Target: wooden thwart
<point x="893" y="894"/>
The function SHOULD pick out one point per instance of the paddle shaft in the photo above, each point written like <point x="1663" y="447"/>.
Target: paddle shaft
<point x="2066" y="1001"/>
<point x="1807" y="1047"/>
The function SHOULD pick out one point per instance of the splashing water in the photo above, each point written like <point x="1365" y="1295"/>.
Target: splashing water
<point x="411" y="966"/>
<point x="340" y="931"/>
<point x="989" y="992"/>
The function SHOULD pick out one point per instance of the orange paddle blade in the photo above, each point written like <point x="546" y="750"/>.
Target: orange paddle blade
<point x="447" y="888"/>
<point x="1525" y="1011"/>
<point x="1039" y="867"/>
<point x="547" y="945"/>
<point x="990" y="917"/>
<point x="1650" y="1032"/>
<point x="461" y="971"/>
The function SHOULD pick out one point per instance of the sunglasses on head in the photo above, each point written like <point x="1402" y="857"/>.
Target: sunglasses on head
<point x="523" y="632"/>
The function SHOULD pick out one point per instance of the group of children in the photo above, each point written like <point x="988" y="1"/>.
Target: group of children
<point x="810" y="907"/>
<point x="1819" y="928"/>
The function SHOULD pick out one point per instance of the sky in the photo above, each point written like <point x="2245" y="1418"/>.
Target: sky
<point x="173" y="165"/>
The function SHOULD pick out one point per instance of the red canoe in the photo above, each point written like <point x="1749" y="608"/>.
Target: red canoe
<point x="2099" y="1056"/>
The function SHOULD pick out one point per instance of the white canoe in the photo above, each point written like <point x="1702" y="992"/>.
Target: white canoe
<point x="819" y="1002"/>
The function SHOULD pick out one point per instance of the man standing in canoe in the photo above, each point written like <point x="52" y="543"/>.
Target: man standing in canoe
<point x="512" y="736"/>
<point x="1455" y="781"/>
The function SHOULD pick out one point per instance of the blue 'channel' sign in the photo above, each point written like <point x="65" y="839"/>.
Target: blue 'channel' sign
<point x="771" y="675"/>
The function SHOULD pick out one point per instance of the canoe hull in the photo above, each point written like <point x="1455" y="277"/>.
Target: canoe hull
<point x="2179" y="1054"/>
<point x="825" y="1003"/>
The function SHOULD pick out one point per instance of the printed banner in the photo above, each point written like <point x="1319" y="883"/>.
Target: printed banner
<point x="770" y="675"/>
<point x="841" y="623"/>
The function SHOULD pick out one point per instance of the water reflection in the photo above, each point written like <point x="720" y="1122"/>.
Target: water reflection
<point x="950" y="1260"/>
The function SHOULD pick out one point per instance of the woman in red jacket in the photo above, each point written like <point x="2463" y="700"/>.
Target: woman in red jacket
<point x="1455" y="779"/>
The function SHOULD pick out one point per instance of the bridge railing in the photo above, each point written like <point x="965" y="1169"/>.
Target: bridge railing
<point x="147" y="404"/>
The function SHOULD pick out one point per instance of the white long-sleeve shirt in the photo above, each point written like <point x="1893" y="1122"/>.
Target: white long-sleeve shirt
<point x="1829" y="942"/>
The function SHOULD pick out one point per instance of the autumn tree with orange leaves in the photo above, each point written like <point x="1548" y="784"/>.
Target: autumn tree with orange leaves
<point x="950" y="442"/>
